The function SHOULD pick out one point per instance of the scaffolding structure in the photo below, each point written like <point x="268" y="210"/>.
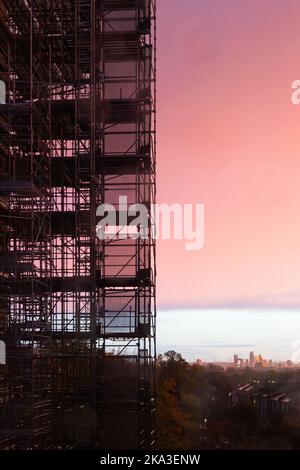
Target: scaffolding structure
<point x="77" y="313"/>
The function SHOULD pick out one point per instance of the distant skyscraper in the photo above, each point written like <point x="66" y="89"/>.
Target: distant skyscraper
<point x="251" y="359"/>
<point x="236" y="360"/>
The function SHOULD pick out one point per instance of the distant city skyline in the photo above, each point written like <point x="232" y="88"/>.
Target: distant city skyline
<point x="215" y="335"/>
<point x="257" y="361"/>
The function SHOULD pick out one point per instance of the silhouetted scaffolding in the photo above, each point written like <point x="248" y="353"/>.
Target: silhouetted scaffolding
<point x="77" y="313"/>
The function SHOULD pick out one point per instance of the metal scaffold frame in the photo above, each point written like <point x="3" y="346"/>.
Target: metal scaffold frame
<point x="77" y="313"/>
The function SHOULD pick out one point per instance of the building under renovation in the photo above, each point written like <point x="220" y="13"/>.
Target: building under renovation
<point x="77" y="312"/>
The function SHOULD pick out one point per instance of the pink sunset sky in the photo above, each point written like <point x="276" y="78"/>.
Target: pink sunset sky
<point x="229" y="137"/>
